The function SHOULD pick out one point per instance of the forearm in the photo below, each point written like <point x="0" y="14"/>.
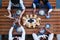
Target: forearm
<point x="22" y="13"/>
<point x="19" y="21"/>
<point x="23" y="7"/>
<point x="9" y="11"/>
<point x="48" y="30"/>
<point x="34" y="10"/>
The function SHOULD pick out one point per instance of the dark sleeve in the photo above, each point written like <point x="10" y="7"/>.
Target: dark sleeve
<point x="45" y="1"/>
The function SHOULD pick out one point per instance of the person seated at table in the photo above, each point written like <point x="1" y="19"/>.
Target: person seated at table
<point x="43" y="34"/>
<point x="17" y="4"/>
<point x="21" y="30"/>
<point x="42" y="4"/>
